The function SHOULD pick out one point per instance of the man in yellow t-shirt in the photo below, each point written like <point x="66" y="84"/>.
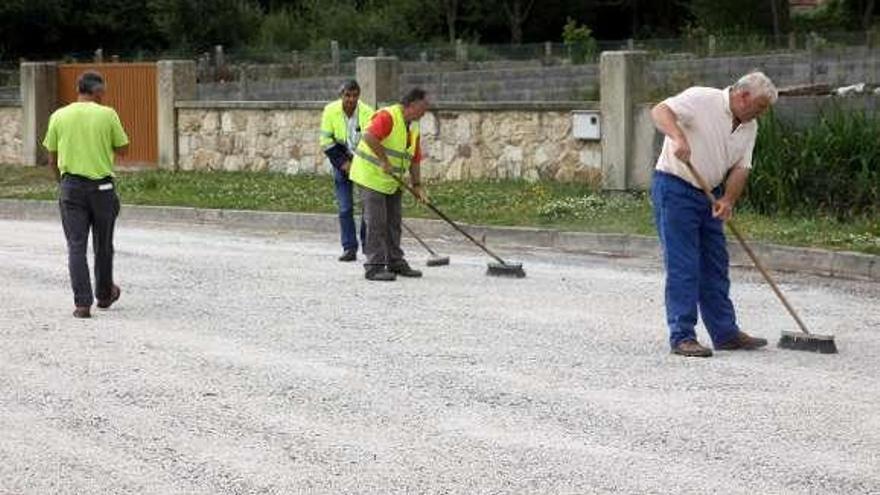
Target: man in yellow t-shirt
<point x="82" y="140"/>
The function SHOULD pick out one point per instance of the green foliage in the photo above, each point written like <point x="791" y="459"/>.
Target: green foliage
<point x="831" y="167"/>
<point x="588" y="207"/>
<point x="579" y="41"/>
<point x="75" y="28"/>
<point x="834" y="15"/>
<point x="740" y="17"/>
<point x="283" y="30"/>
<point x="201" y="24"/>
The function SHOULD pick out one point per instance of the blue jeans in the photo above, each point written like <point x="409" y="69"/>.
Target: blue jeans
<point x="345" y="200"/>
<point x="696" y="261"/>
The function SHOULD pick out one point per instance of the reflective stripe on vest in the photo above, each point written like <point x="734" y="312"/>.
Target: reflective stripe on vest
<point x="375" y="161"/>
<point x="399" y="147"/>
<point x="334" y="123"/>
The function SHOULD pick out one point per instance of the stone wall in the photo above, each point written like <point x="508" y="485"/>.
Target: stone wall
<point x="464" y="141"/>
<point x="10" y="133"/>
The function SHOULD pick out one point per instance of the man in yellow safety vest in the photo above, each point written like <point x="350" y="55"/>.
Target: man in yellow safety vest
<point x="341" y="125"/>
<point x="390" y="145"/>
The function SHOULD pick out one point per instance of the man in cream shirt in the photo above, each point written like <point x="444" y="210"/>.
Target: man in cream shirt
<point x="715" y="130"/>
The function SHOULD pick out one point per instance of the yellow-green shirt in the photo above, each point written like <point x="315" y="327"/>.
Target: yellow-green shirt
<point x="84" y="134"/>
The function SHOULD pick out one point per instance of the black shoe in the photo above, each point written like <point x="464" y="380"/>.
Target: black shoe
<point x="349" y="255"/>
<point x="404" y="270"/>
<point x="115" y="292"/>
<point x="82" y="312"/>
<point x="691" y="348"/>
<point x="380" y="274"/>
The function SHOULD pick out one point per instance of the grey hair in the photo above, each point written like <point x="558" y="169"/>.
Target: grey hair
<point x="89" y="83"/>
<point x="758" y="84"/>
<point x="413" y="95"/>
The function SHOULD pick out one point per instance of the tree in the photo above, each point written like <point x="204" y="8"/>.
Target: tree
<point x="744" y="16"/>
<point x="451" y="9"/>
<point x="201" y="24"/>
<point x="517" y="12"/>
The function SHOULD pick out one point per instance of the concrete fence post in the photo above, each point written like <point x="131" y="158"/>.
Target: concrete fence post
<point x="811" y="52"/>
<point x="460" y="51"/>
<point x="378" y="78"/>
<point x="622" y="85"/>
<point x="334" y="56"/>
<point x="176" y="80"/>
<point x="39" y="98"/>
<point x="219" y="57"/>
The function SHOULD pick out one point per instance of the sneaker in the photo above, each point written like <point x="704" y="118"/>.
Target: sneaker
<point x="380" y="274"/>
<point x="349" y="255"/>
<point x="115" y="292"/>
<point x="691" y="348"/>
<point x="82" y="312"/>
<point x="404" y="270"/>
<point x="742" y="341"/>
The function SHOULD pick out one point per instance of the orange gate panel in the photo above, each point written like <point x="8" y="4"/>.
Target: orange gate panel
<point x="131" y="91"/>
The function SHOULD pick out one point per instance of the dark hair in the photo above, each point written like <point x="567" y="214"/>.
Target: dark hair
<point x="414" y="95"/>
<point x="89" y="83"/>
<point x="349" y="85"/>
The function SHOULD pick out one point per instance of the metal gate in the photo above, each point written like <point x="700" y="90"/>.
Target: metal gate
<point x="131" y="90"/>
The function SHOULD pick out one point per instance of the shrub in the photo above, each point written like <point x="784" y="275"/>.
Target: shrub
<point x="831" y="167"/>
<point x="579" y="41"/>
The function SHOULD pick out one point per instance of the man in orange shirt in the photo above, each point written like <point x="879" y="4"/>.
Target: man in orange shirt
<point x="389" y="146"/>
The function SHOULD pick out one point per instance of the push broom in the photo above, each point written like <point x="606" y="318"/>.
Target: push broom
<point x="500" y="268"/>
<point x="799" y="341"/>
<point x="434" y="260"/>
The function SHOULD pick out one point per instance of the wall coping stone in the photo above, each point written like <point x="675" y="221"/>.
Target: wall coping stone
<point x="500" y="106"/>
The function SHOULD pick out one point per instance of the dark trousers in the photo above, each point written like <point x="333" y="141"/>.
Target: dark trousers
<point x="89" y="205"/>
<point x="345" y="199"/>
<point x="696" y="260"/>
<point x="382" y="216"/>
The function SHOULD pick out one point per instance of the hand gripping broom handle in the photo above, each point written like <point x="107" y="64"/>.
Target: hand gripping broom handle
<point x="748" y="250"/>
<point x="449" y="220"/>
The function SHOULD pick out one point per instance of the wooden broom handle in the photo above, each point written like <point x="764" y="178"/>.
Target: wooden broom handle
<point x="708" y="191"/>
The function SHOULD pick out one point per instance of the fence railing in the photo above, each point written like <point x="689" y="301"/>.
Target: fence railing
<point x="9" y="81"/>
<point x="250" y="73"/>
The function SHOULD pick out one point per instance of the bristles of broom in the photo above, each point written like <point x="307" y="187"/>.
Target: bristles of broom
<point x="799" y="341"/>
<point x="514" y="270"/>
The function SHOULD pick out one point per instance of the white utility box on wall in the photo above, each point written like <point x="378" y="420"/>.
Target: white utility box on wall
<point x="586" y="124"/>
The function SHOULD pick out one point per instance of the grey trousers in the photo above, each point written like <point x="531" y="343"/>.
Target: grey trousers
<point x="85" y="207"/>
<point x="382" y="217"/>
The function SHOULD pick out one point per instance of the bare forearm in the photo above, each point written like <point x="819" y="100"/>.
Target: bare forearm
<point x="666" y="122"/>
<point x="415" y="174"/>
<point x="53" y="166"/>
<point x="376" y="146"/>
<point x="736" y="184"/>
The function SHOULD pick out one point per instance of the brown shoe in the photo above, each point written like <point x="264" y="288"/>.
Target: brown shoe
<point x="115" y="292"/>
<point x="691" y="348"/>
<point x="82" y="312"/>
<point x="742" y="341"/>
